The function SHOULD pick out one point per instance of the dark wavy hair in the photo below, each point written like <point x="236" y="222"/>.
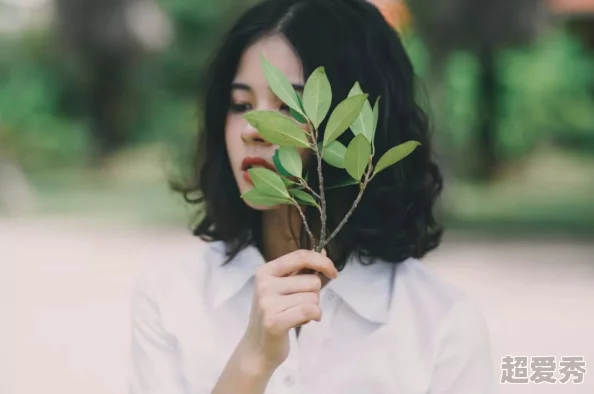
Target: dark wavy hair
<point x="351" y="39"/>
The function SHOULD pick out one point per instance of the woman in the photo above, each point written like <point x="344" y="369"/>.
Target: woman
<point x="245" y="314"/>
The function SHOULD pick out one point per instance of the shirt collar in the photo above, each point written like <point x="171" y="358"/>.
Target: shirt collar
<point x="366" y="289"/>
<point x="228" y="279"/>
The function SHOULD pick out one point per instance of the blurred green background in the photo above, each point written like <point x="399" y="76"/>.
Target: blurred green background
<point x="97" y="113"/>
<point x="98" y="109"/>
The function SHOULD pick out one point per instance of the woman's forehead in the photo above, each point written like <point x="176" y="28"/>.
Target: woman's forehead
<point x="278" y="52"/>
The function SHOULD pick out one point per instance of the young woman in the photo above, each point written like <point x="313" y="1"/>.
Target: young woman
<point x="245" y="314"/>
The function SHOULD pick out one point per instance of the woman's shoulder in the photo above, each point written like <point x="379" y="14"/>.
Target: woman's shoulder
<point x="421" y="282"/>
<point x="450" y="328"/>
<point x="432" y="300"/>
<point x="161" y="278"/>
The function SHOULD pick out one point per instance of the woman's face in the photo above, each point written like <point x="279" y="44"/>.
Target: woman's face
<point x="250" y="92"/>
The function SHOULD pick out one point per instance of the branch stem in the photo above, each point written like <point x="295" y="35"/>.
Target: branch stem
<point x="351" y="210"/>
<point x="309" y="189"/>
<point x="322" y="197"/>
<point x="305" y="224"/>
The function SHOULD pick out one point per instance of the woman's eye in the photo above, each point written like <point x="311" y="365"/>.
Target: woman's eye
<point x="285" y="108"/>
<point x="240" y="107"/>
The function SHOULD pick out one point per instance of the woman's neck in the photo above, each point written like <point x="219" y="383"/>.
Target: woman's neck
<point x="280" y="231"/>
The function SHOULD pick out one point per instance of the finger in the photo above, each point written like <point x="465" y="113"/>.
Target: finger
<point x="303" y="271"/>
<point x="289" y="301"/>
<point x="307" y="270"/>
<point x="298" y="315"/>
<point x="297" y="284"/>
<point x="302" y="259"/>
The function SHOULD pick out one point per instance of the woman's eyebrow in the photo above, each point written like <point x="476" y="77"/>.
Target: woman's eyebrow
<point x="240" y="86"/>
<point x="243" y="86"/>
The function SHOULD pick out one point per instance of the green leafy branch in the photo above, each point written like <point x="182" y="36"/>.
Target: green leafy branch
<point x="288" y="186"/>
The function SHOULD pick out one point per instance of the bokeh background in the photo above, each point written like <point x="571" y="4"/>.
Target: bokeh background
<point x="98" y="110"/>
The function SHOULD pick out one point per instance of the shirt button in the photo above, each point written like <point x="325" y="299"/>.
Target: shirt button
<point x="289" y="380"/>
<point x="330" y="296"/>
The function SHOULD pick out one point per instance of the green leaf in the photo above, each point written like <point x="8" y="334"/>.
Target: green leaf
<point x="343" y="183"/>
<point x="281" y="86"/>
<point x="375" y="115"/>
<point x="297" y="116"/>
<point x="342" y="117"/>
<point x="394" y="155"/>
<point x="277" y="128"/>
<point x="364" y="122"/>
<point x="357" y="156"/>
<point x="290" y="184"/>
<point x="290" y="160"/>
<point x="258" y="198"/>
<point x="304" y="197"/>
<point x="334" y="154"/>
<point x="268" y="182"/>
<point x="317" y="96"/>
<point x="279" y="166"/>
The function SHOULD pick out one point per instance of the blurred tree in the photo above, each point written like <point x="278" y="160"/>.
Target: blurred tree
<point x="484" y="28"/>
<point x="579" y="18"/>
<point x="108" y="39"/>
<point x="198" y="25"/>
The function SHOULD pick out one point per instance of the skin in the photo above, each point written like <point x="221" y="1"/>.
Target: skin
<point x="250" y="92"/>
<point x="282" y="299"/>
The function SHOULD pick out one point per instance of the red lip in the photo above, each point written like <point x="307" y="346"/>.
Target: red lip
<point x="250" y="162"/>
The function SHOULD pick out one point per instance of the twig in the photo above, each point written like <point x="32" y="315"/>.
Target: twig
<point x="305" y="224"/>
<point x="304" y="184"/>
<point x="322" y="197"/>
<point x="314" y="193"/>
<point x="350" y="212"/>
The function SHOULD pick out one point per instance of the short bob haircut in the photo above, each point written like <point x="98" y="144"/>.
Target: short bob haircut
<point x="352" y="40"/>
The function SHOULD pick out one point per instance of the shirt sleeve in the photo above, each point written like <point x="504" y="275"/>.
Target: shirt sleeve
<point x="463" y="362"/>
<point x="154" y="364"/>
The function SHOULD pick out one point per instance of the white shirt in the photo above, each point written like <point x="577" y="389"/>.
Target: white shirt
<point x="386" y="329"/>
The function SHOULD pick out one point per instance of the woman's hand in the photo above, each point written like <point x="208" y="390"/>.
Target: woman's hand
<point x="283" y="300"/>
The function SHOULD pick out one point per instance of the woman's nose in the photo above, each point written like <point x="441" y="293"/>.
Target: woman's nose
<point x="251" y="135"/>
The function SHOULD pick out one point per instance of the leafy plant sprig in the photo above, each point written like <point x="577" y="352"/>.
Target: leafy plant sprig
<point x="289" y="186"/>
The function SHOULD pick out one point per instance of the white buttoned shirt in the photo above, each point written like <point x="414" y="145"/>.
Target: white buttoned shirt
<point x="386" y="329"/>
